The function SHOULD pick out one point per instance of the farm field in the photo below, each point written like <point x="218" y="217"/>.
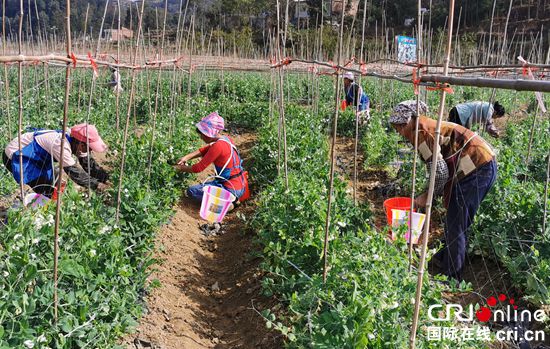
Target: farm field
<point x="109" y="272"/>
<point x="268" y="174"/>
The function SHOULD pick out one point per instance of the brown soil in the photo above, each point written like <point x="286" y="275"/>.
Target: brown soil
<point x="369" y="183"/>
<point x="210" y="293"/>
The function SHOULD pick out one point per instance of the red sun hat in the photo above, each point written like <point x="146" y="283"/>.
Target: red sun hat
<point x="82" y="131"/>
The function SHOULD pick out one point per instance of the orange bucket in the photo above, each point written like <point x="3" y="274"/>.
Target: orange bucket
<point x="398" y="203"/>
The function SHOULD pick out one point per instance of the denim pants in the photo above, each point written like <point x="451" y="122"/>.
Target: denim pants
<point x="465" y="199"/>
<point x="195" y="192"/>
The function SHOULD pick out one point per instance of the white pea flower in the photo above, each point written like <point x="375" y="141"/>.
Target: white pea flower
<point x="104" y="230"/>
<point x="17" y="236"/>
<point x="35" y="241"/>
<point x="93" y="253"/>
<point x="28" y="343"/>
<point x="50" y="221"/>
<point x="41" y="339"/>
<point x="5" y="273"/>
<point x="371" y="336"/>
<point x="38" y="222"/>
<point x="342" y="224"/>
<point x="376" y="257"/>
<point x="394" y="305"/>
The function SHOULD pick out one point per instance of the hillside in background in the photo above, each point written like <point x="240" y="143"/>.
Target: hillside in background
<point x="249" y="22"/>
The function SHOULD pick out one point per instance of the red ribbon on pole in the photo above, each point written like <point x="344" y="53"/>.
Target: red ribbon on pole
<point x="92" y="62"/>
<point x="73" y="57"/>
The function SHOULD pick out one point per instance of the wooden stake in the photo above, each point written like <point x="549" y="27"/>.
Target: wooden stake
<point x="61" y="154"/>
<point x="157" y="95"/>
<point x="356" y="144"/>
<point x="6" y="79"/>
<point x="435" y="156"/>
<point x="545" y="215"/>
<point x="415" y="156"/>
<point x="20" y="127"/>
<point x="333" y="145"/>
<point x="128" y="114"/>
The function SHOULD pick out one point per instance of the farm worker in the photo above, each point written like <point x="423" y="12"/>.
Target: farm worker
<point x="356" y="97"/>
<point x="468" y="114"/>
<point x="116" y="81"/>
<point x="42" y="148"/>
<point x="220" y="151"/>
<point x="465" y="172"/>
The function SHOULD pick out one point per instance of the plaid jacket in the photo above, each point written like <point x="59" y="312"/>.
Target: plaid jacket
<point x="462" y="150"/>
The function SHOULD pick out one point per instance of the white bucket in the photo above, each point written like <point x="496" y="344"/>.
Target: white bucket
<point x="401" y="217"/>
<point x="35" y="200"/>
<point x="215" y="203"/>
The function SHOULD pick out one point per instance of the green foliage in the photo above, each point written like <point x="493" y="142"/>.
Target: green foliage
<point x="367" y="301"/>
<point x="380" y="142"/>
<point x="509" y="222"/>
<point x="103" y="267"/>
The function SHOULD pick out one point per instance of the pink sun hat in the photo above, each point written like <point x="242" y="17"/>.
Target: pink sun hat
<point x="79" y="131"/>
<point x="211" y="125"/>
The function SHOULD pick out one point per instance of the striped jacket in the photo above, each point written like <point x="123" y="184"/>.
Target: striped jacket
<point x="462" y="151"/>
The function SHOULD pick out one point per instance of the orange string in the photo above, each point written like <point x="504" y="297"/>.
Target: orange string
<point x="416" y="81"/>
<point x="441" y="87"/>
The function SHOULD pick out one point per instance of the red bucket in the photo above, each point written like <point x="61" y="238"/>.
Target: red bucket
<point x="246" y="194"/>
<point x="399" y="203"/>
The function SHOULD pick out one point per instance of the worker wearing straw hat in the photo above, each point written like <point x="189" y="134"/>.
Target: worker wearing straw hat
<point x="220" y="151"/>
<point x="465" y="172"/>
<point x="356" y="97"/>
<point x="40" y="149"/>
<point x="482" y="113"/>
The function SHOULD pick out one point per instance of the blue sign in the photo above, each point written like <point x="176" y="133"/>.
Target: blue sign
<point x="406" y="49"/>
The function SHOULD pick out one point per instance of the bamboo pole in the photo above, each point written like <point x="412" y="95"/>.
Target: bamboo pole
<point x="502" y="49"/>
<point x="281" y="129"/>
<point x="333" y="146"/>
<point x="61" y="154"/>
<point x="101" y="28"/>
<point x="532" y="136"/>
<point x="192" y="43"/>
<point x="117" y="89"/>
<point x="128" y="114"/>
<point x="415" y="156"/>
<point x="283" y="118"/>
<point x="20" y="126"/>
<point x="356" y="143"/>
<point x="545" y="215"/>
<point x="435" y="156"/>
<point x="157" y="95"/>
<point x="80" y="80"/>
<point x="6" y="80"/>
<point x="175" y="73"/>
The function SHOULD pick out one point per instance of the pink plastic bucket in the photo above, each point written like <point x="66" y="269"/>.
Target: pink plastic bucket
<point x="215" y="203"/>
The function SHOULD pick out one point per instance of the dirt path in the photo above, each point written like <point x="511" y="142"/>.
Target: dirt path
<point x="210" y="285"/>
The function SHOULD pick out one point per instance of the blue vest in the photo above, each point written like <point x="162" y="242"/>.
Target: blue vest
<point x="234" y="162"/>
<point x="363" y="99"/>
<point x="37" y="162"/>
